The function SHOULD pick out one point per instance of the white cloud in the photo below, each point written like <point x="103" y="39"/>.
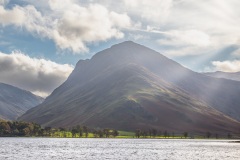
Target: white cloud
<point x="188" y="26"/>
<point x="185" y="42"/>
<point x="215" y="18"/>
<point x="27" y="17"/>
<point x="75" y="24"/>
<point x="80" y="25"/>
<point x="186" y="38"/>
<point x="151" y="11"/>
<point x="70" y="25"/>
<point x="15" y="16"/>
<point x="226" y="66"/>
<point x="195" y="27"/>
<point x="39" y="76"/>
<point x="4" y="2"/>
<point x="138" y="37"/>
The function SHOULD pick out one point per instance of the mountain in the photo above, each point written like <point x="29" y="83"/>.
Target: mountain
<point x="226" y="75"/>
<point x="14" y="101"/>
<point x="130" y="86"/>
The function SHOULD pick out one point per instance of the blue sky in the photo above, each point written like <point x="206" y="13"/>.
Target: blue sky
<point x="202" y="35"/>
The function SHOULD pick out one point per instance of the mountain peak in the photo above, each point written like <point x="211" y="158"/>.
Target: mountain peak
<point x="127" y="50"/>
<point x="125" y="43"/>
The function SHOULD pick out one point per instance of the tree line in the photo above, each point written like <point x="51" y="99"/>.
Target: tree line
<point x="15" y="128"/>
<point x="84" y="131"/>
<point x="27" y="129"/>
<point x="153" y="133"/>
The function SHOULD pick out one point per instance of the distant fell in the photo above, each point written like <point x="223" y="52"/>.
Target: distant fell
<point x="226" y="75"/>
<point x="14" y="101"/>
<point x="130" y="86"/>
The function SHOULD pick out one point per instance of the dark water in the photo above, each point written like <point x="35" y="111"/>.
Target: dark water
<point x="54" y="148"/>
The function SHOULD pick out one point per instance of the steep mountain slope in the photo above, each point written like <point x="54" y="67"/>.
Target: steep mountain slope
<point x="14" y="101"/>
<point x="129" y="86"/>
<point x="232" y="76"/>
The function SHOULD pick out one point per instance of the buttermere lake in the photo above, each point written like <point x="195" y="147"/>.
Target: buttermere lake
<point x="67" y="148"/>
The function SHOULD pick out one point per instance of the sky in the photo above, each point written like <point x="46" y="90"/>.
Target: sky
<point x="41" y="41"/>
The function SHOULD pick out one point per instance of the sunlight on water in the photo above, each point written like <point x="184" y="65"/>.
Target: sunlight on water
<point x="53" y="148"/>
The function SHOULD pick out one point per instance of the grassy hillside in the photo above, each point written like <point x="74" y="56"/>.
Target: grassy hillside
<point x="129" y="87"/>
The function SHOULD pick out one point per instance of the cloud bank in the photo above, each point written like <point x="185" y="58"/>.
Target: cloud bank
<point x="37" y="75"/>
<point x="184" y="27"/>
<point x="70" y="25"/>
<point x="177" y="28"/>
<point x="226" y="66"/>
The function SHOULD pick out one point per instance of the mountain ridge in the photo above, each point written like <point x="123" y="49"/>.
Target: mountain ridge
<point x="132" y="81"/>
<point x="15" y="101"/>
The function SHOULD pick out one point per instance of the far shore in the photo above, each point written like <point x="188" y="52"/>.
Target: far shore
<point x="129" y="137"/>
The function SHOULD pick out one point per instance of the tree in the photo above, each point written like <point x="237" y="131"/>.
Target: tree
<point x="74" y="132"/>
<point x="208" y="134"/>
<point x="185" y="134"/>
<point x="165" y="134"/>
<point x="115" y="133"/>
<point x="79" y="129"/>
<point x="48" y="130"/>
<point x="154" y="132"/>
<point x="106" y="132"/>
<point x="26" y="131"/>
<point x="159" y="133"/>
<point x="138" y="133"/>
<point x="144" y="134"/>
<point x="95" y="133"/>
<point x="63" y="130"/>
<point x="229" y="135"/>
<point x="4" y="129"/>
<point x="30" y="126"/>
<point x="80" y="132"/>
<point x="15" y="132"/>
<point x="150" y="132"/>
<point x="41" y="132"/>
<point x="85" y="130"/>
<point x="36" y="129"/>
<point x="100" y="133"/>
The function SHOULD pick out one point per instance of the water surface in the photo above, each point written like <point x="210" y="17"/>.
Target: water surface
<point x="122" y="149"/>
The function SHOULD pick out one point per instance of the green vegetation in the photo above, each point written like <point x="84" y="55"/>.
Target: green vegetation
<point x="26" y="129"/>
<point x="15" y="128"/>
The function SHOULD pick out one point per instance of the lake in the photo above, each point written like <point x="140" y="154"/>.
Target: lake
<point x="122" y="149"/>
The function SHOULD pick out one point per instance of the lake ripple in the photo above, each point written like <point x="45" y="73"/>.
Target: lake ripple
<point x="119" y="149"/>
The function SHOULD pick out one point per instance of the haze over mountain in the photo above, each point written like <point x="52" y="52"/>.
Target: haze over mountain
<point x="14" y="101"/>
<point x="129" y="86"/>
<point x="226" y="75"/>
